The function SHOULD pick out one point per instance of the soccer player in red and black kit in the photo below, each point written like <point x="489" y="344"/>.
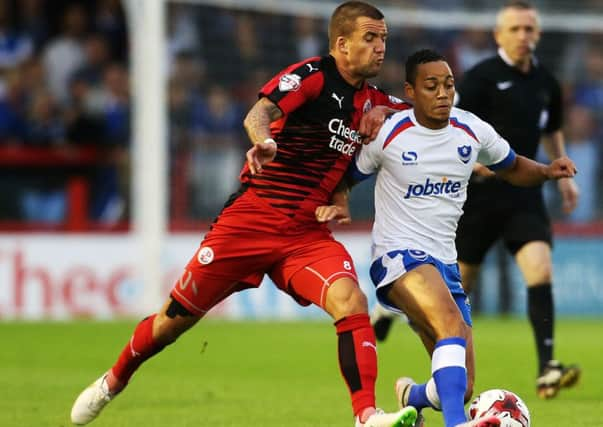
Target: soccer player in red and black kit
<point x="305" y="128"/>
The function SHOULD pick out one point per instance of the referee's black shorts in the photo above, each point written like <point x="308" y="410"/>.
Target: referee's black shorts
<point x="484" y="222"/>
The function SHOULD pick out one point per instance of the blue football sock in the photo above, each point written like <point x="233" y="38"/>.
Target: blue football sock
<point x="417" y="397"/>
<point x="450" y="376"/>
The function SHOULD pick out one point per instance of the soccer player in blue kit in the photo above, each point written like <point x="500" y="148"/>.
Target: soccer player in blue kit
<point x="423" y="158"/>
<point x="522" y="100"/>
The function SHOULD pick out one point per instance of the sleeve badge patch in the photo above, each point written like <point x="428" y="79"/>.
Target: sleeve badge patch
<point x="289" y="83"/>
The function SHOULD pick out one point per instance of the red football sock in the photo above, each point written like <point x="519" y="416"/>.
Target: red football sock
<point x="140" y="348"/>
<point x="358" y="359"/>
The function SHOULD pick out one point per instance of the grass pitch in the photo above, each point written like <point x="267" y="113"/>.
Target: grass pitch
<point x="226" y="374"/>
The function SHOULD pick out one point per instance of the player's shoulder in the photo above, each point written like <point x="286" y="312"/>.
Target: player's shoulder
<point x="307" y="66"/>
<point x="395" y="123"/>
<point x="469" y="122"/>
<point x="464" y="116"/>
<point x="307" y="73"/>
<point x="394" y="119"/>
<point x="377" y="90"/>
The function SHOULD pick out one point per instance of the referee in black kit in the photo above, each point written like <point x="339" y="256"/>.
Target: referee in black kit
<point x="522" y="100"/>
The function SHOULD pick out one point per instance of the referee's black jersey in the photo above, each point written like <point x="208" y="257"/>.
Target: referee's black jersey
<point x="520" y="106"/>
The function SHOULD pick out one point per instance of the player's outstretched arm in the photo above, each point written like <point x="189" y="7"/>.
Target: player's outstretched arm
<point x="257" y="124"/>
<point x="525" y="172"/>
<point x="554" y="146"/>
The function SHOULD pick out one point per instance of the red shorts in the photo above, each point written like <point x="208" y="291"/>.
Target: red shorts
<point x="236" y="257"/>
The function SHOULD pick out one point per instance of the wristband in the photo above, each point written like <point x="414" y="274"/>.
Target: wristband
<point x="270" y="141"/>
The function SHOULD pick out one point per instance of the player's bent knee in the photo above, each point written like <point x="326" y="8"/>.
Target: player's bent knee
<point x="449" y="324"/>
<point x="345" y="300"/>
<point x="356" y="303"/>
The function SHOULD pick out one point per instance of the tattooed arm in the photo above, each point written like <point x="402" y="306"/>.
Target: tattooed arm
<point x="257" y="122"/>
<point x="257" y="125"/>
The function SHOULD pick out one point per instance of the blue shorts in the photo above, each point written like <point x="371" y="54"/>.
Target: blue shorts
<point x="391" y="266"/>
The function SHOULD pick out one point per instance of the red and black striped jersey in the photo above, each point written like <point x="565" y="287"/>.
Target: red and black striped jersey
<point x="317" y="136"/>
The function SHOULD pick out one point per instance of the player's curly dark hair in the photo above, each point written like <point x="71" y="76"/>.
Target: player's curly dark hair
<point x="343" y="19"/>
<point x="422" y="56"/>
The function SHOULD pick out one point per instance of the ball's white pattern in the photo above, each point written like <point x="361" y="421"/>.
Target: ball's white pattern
<point x="504" y="404"/>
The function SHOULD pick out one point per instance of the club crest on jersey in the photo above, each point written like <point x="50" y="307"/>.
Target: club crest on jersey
<point x="464" y="153"/>
<point x="367" y="106"/>
<point x="205" y="255"/>
<point x="417" y="254"/>
<point x="289" y="83"/>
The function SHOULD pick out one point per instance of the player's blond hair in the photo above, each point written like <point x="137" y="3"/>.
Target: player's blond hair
<point x="343" y="20"/>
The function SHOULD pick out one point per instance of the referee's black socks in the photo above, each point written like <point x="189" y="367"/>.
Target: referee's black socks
<point x="542" y="316"/>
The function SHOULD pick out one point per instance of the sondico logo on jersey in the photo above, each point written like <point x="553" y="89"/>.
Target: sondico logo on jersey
<point x="428" y="188"/>
<point x="351" y="137"/>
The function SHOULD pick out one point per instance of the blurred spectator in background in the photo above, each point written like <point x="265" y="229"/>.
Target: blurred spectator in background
<point x="218" y="115"/>
<point x="588" y="91"/>
<point x="43" y="198"/>
<point x="247" y="45"/>
<point x="219" y="144"/>
<point x="116" y="105"/>
<point x="183" y="32"/>
<point x="44" y="123"/>
<point x="65" y="53"/>
<point x="308" y="38"/>
<point x="33" y="76"/>
<point x="109" y="20"/>
<point x="471" y="46"/>
<point x="88" y="93"/>
<point x="244" y="92"/>
<point x="571" y="63"/>
<point x="391" y="77"/>
<point x="34" y="22"/>
<point x="15" y="47"/>
<point x="83" y="124"/>
<point x="97" y="56"/>
<point x="181" y="103"/>
<point x="111" y="189"/>
<point x="583" y="148"/>
<point x="190" y="70"/>
<point x="13" y="105"/>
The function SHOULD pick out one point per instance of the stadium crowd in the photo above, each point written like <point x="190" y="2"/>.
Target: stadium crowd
<point x="64" y="83"/>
